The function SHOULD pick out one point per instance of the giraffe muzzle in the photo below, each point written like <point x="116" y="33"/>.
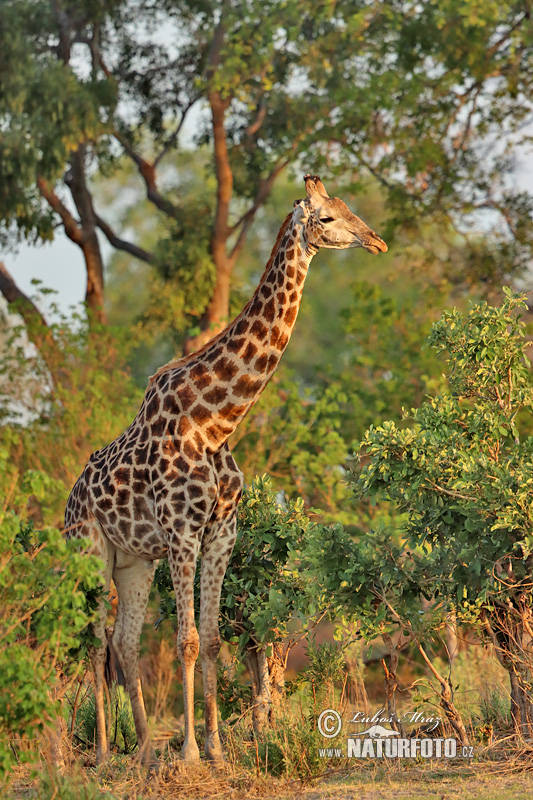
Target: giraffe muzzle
<point x="377" y="245"/>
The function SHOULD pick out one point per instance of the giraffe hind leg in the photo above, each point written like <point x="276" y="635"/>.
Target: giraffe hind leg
<point x="133" y="578"/>
<point x="105" y="551"/>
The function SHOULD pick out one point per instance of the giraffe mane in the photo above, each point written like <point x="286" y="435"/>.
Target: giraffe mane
<point x="180" y="362"/>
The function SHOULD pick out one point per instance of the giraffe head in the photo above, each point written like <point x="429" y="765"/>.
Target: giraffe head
<point x="328" y="222"/>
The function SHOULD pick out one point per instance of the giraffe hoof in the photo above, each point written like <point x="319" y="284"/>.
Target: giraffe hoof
<point x="153" y="767"/>
<point x="102" y="757"/>
<point x="190" y="755"/>
<point x="217" y="762"/>
<point x="215" y="756"/>
<point x="151" y="762"/>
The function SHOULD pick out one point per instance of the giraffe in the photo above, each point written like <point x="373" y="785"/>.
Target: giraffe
<point x="168" y="486"/>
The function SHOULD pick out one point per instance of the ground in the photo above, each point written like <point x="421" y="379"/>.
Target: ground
<point x="121" y="779"/>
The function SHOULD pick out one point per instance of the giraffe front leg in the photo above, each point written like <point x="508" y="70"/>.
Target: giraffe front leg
<point x="182" y="558"/>
<point x="216" y="554"/>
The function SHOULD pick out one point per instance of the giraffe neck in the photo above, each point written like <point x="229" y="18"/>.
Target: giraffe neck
<point x="219" y="384"/>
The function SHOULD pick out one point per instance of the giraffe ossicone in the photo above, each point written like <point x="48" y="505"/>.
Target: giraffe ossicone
<point x="168" y="486"/>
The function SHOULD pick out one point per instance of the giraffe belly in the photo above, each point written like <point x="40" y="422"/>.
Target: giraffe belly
<point x="142" y="539"/>
<point x="129" y="522"/>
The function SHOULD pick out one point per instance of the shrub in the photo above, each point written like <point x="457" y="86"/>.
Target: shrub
<point x="48" y="588"/>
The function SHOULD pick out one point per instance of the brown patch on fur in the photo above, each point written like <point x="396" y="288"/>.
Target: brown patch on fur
<point x="241" y="326"/>
<point x="189" y="450"/>
<point x="186" y="396"/>
<point x="216" y="395"/>
<point x="282" y="343"/>
<point x="261" y="362"/>
<point x="214" y="432"/>
<point x="181" y="465"/>
<point x="122" y="475"/>
<point x="169" y="404"/>
<point x="232" y="412"/>
<point x="269" y="310"/>
<point x="200" y="375"/>
<point x="274" y="335"/>
<point x="234" y="345"/>
<point x="158" y="427"/>
<point x="200" y="414"/>
<point x="290" y="314"/>
<point x="212" y="354"/>
<point x="246" y="386"/>
<point x="123" y="497"/>
<point x="258" y="329"/>
<point x="152" y="407"/>
<point x="184" y="425"/>
<point x="249" y="353"/>
<point x="225" y="369"/>
<point x="257" y="306"/>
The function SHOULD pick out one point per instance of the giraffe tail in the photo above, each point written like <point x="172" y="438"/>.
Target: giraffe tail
<point x="112" y="670"/>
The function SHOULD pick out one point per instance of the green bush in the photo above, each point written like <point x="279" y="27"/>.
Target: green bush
<point x="122" y="734"/>
<point x="48" y="588"/>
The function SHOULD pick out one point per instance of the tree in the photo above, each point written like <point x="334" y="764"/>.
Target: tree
<point x="51" y="114"/>
<point x="375" y="586"/>
<point x="267" y="85"/>
<point x="460" y="469"/>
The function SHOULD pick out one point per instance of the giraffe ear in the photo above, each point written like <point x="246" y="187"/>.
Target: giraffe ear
<point x="300" y="210"/>
<point x="321" y="188"/>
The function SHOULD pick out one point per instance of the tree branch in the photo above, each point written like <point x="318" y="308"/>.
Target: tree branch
<point x="71" y="227"/>
<point x="147" y="172"/>
<point x="171" y="141"/>
<point x="450" y="492"/>
<point x="246" y="220"/>
<point x="254" y="126"/>
<point x="37" y="328"/>
<point x="121" y="244"/>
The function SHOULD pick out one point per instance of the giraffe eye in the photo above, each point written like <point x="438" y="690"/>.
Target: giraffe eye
<point x="326" y="219"/>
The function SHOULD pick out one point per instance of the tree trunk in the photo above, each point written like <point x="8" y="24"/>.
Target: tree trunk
<point x="446" y="700"/>
<point x="276" y="670"/>
<point x="37" y="329"/>
<point x="215" y="316"/>
<point x="508" y="628"/>
<point x="452" y="645"/>
<point x="257" y="664"/>
<point x="391" y="683"/>
<point x="90" y="246"/>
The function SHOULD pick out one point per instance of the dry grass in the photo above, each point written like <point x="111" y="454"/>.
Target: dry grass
<point x="500" y="770"/>
<point x="123" y="779"/>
